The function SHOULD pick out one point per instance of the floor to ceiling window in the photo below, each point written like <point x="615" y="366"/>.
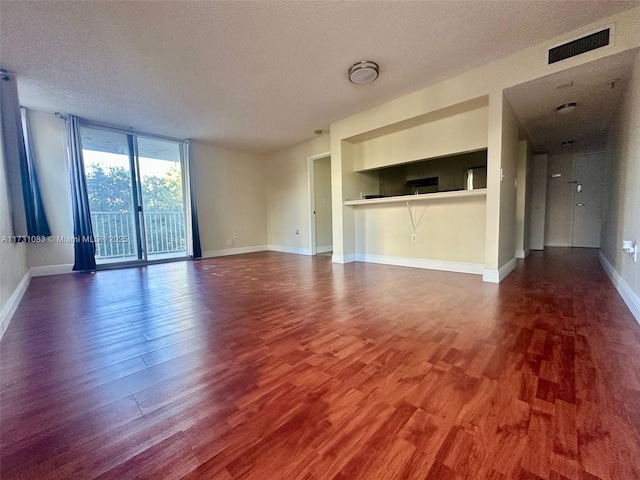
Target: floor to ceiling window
<point x="136" y="195"/>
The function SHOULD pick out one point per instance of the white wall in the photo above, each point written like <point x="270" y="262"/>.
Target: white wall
<point x="450" y="230"/>
<point x="463" y="132"/>
<point x="622" y="204"/>
<point x="49" y="146"/>
<point x="521" y="198"/>
<point x="524" y="197"/>
<point x="287" y="193"/>
<point x="509" y="163"/>
<point x="13" y="260"/>
<point x="230" y="197"/>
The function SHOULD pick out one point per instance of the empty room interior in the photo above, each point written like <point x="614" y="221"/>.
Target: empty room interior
<point x="320" y="240"/>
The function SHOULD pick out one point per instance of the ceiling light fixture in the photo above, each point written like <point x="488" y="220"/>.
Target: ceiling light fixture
<point x="566" y="108"/>
<point x="363" y="72"/>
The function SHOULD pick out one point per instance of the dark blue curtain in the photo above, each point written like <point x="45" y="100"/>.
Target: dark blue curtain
<point x="195" y="230"/>
<point x="32" y="221"/>
<point x="85" y="247"/>
<point x="36" y="217"/>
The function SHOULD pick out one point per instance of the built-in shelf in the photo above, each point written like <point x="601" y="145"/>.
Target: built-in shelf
<point x="480" y="192"/>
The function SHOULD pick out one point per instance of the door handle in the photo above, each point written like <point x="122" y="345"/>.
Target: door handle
<point x="579" y="204"/>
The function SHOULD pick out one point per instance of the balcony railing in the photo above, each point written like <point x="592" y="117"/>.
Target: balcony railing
<point x="115" y="234"/>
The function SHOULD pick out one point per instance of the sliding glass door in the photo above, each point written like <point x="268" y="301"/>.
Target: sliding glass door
<point x="136" y="195"/>
<point x="108" y="158"/>
<point x="160" y="167"/>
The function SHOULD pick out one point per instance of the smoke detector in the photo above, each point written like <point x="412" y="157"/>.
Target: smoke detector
<point x="566" y="108"/>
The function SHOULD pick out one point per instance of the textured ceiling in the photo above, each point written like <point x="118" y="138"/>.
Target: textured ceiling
<point x="257" y="75"/>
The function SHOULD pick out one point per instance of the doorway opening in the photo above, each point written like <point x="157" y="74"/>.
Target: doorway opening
<point x="320" y="231"/>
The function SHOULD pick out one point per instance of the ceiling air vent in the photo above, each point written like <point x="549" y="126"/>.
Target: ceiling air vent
<point x="581" y="45"/>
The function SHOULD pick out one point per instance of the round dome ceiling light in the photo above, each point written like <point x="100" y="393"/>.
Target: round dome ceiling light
<point x="363" y="72"/>
<point x="566" y="108"/>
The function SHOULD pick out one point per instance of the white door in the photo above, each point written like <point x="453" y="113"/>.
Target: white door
<point x="538" y="202"/>
<point x="587" y="205"/>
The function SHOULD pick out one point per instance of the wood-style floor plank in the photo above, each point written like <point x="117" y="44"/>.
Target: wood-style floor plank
<point x="277" y="366"/>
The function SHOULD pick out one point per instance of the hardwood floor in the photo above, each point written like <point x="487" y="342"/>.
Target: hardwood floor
<point x="277" y="366"/>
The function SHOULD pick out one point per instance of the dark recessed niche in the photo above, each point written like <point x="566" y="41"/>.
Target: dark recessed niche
<point x="444" y="174"/>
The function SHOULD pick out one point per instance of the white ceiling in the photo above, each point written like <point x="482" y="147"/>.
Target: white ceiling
<point x="257" y="75"/>
<point x="589" y="86"/>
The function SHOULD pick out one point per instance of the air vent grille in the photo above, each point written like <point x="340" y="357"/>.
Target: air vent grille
<point x="581" y="45"/>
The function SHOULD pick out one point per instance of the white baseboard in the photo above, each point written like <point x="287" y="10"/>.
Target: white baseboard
<point x="557" y="244"/>
<point x="233" y="251"/>
<point x="496" y="276"/>
<point x="491" y="276"/>
<point x="14" y="300"/>
<point x="522" y="253"/>
<point x="444" y="265"/>
<point x="628" y="295"/>
<point x="51" y="270"/>
<point x="324" y="249"/>
<point x="348" y="258"/>
<point x="10" y="307"/>
<point x="284" y="249"/>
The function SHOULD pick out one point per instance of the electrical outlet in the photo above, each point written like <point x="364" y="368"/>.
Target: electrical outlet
<point x="235" y="234"/>
<point x="414" y="238"/>
<point x="297" y="232"/>
<point x="229" y="243"/>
